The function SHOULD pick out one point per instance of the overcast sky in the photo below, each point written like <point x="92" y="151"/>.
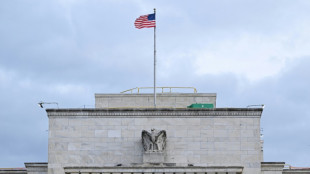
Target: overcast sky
<point x="246" y="51"/>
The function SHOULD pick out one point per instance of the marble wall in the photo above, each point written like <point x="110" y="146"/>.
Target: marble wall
<point x="199" y="137"/>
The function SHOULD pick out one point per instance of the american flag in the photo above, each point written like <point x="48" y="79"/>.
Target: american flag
<point x="145" y="21"/>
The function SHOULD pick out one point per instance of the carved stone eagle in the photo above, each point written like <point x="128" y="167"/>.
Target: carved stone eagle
<point x="154" y="141"/>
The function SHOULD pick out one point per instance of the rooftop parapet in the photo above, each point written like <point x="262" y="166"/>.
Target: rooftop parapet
<point x="146" y="100"/>
<point x="166" y="97"/>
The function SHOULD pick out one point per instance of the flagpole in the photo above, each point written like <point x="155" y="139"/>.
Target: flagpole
<point x="155" y="61"/>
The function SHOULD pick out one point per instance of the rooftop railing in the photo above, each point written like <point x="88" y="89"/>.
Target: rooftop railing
<point x="163" y="89"/>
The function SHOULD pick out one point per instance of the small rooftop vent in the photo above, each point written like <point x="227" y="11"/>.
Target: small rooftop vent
<point x="201" y="105"/>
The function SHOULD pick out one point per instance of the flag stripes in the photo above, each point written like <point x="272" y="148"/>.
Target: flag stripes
<point x="145" y="21"/>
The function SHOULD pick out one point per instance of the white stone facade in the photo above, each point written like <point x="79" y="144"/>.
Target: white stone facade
<point x="198" y="137"/>
<point x="107" y="139"/>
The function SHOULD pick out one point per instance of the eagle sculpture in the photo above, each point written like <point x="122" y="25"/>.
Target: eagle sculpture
<point x="154" y="141"/>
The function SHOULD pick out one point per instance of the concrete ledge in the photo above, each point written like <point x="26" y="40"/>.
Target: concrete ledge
<point x="296" y="171"/>
<point x="272" y="166"/>
<point x="36" y="167"/>
<point x="153" y="169"/>
<point x="13" y="171"/>
<point x="155" y="112"/>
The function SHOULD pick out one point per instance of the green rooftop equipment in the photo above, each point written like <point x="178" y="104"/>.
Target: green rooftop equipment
<point x="201" y="105"/>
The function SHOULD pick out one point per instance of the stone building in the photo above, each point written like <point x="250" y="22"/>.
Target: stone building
<point x="176" y="139"/>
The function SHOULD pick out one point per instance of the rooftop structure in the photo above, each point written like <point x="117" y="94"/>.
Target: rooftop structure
<point x="125" y="134"/>
<point x="166" y="98"/>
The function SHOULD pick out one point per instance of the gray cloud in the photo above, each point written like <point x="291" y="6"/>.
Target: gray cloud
<point x="66" y="51"/>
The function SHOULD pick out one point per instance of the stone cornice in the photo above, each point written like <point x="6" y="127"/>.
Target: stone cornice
<point x="272" y="166"/>
<point x="301" y="171"/>
<point x="151" y="112"/>
<point x="38" y="164"/>
<point x="142" y="169"/>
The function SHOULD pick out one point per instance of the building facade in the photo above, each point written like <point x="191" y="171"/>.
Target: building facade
<point x="109" y="138"/>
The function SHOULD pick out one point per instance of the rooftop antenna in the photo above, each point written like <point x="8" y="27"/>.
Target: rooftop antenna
<point x="41" y="103"/>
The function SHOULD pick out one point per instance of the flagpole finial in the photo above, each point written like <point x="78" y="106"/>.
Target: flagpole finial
<point x="154" y="10"/>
